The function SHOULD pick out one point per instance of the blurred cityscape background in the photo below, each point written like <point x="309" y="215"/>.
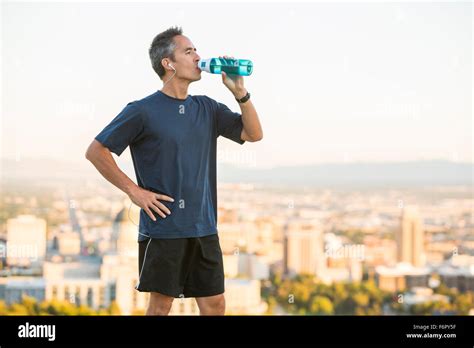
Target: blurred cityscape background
<point x="70" y="246"/>
<point x="359" y="200"/>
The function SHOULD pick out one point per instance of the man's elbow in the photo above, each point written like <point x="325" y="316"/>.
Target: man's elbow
<point x="256" y="138"/>
<point x="91" y="150"/>
<point x="87" y="155"/>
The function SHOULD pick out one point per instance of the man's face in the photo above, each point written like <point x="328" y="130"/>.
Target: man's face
<point x="186" y="59"/>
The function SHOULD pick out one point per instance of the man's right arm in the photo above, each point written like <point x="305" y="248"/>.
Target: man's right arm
<point x="102" y="159"/>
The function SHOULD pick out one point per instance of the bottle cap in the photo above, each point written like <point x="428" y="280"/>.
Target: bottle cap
<point x="205" y="65"/>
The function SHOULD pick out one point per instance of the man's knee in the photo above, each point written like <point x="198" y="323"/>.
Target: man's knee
<point x="159" y="304"/>
<point x="214" y="305"/>
<point x="220" y="305"/>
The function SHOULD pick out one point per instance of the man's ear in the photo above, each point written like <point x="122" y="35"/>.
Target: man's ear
<point x="165" y="62"/>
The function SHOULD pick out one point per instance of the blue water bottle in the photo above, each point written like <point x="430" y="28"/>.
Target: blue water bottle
<point x="242" y="67"/>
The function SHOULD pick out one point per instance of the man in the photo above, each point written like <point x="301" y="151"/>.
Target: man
<point x="172" y="138"/>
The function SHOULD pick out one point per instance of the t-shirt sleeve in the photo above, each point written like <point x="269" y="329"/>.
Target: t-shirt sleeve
<point x="229" y="123"/>
<point x="123" y="130"/>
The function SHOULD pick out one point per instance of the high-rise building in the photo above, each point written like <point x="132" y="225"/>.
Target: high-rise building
<point x="236" y="238"/>
<point x="125" y="231"/>
<point x="253" y="266"/>
<point x="243" y="297"/>
<point x="304" y="248"/>
<point x="231" y="264"/>
<point x="409" y="238"/>
<point x="120" y="266"/>
<point x="401" y="277"/>
<point x="69" y="243"/>
<point x="26" y="240"/>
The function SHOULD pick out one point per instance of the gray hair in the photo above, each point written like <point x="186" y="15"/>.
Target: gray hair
<point x="163" y="46"/>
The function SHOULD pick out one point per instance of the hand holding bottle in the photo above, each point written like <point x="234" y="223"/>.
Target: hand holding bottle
<point x="235" y="83"/>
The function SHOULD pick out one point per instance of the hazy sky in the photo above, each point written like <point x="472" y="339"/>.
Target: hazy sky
<point x="332" y="82"/>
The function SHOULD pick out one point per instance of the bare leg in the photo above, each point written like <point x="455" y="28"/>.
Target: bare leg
<point x="211" y="305"/>
<point x="159" y="304"/>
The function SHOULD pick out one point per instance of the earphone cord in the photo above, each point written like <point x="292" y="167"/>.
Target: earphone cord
<point x="164" y="84"/>
<point x="134" y="222"/>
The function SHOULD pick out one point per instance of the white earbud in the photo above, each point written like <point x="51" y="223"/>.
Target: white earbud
<point x="172" y="67"/>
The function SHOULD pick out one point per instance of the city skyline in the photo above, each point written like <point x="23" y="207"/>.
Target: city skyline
<point x="340" y="238"/>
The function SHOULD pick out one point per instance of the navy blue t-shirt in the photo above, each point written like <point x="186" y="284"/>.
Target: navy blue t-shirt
<point x="173" y="147"/>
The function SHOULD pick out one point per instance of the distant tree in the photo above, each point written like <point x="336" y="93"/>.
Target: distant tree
<point x="3" y="308"/>
<point x="321" y="305"/>
<point x="301" y="294"/>
<point x="427" y="308"/>
<point x="30" y="306"/>
<point x="17" y="309"/>
<point x="85" y="310"/>
<point x="304" y="294"/>
<point x="114" y="308"/>
<point x="138" y="312"/>
<point x="463" y="303"/>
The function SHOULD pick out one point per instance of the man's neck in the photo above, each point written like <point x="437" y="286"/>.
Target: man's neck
<point x="176" y="89"/>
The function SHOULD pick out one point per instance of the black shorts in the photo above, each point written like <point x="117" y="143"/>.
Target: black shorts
<point x="183" y="267"/>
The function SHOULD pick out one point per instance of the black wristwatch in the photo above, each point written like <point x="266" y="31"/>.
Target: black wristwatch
<point x="244" y="99"/>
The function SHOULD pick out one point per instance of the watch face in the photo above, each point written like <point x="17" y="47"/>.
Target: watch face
<point x="244" y="99"/>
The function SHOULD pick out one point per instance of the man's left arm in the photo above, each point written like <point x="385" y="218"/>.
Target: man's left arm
<point x="252" y="130"/>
